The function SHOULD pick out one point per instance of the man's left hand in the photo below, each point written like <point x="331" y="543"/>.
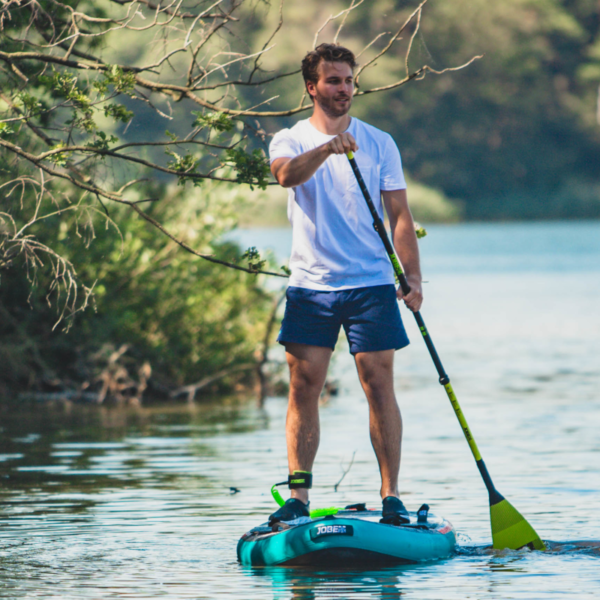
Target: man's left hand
<point x="414" y="298"/>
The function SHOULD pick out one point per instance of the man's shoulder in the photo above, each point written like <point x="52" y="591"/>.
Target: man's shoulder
<point x="371" y="130"/>
<point x="288" y="142"/>
<point x="293" y="131"/>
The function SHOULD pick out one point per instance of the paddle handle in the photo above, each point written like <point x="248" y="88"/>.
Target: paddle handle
<point x="443" y="376"/>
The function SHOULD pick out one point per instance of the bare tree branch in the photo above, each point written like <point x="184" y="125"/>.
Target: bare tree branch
<point x="346" y="471"/>
<point x="269" y="40"/>
<point x="169" y="11"/>
<point x="192" y="389"/>
<point x="116" y="198"/>
<point x="390" y="42"/>
<point x="344" y="13"/>
<point x="264" y="352"/>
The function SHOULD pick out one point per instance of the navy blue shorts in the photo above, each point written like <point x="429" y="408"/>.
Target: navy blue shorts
<point x="370" y="317"/>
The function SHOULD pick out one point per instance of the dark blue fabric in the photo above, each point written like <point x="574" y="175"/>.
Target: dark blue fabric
<point x="369" y="315"/>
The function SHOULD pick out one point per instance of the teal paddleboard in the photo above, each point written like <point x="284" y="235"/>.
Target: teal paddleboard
<point x="348" y="538"/>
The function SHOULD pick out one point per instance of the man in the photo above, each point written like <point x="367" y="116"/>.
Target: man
<point x="341" y="274"/>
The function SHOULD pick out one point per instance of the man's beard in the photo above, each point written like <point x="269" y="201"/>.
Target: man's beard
<point x="329" y="107"/>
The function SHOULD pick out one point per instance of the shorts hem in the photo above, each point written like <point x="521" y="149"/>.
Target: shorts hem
<point x="380" y="348"/>
<point x="289" y="340"/>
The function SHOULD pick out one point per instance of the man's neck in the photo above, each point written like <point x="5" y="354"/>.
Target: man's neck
<point x="329" y="125"/>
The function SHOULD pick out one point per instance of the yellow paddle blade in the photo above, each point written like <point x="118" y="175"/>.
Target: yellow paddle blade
<point x="511" y="530"/>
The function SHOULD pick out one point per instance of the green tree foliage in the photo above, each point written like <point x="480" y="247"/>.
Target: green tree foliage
<point x="92" y="126"/>
<point x="186" y="318"/>
<point x="514" y="135"/>
<point x="99" y="100"/>
<point x="517" y="134"/>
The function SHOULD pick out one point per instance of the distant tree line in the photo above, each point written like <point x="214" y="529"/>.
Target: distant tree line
<point x="514" y="136"/>
<point x="517" y="134"/>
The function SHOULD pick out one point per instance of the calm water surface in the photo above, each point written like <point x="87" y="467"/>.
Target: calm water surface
<point x="107" y="503"/>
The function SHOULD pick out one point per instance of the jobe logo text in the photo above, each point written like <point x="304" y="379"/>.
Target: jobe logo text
<point x="324" y="529"/>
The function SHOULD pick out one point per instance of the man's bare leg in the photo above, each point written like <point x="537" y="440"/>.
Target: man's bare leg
<point x="308" y="370"/>
<point x="376" y="373"/>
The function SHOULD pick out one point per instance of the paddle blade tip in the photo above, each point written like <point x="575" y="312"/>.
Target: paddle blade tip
<point x="511" y="530"/>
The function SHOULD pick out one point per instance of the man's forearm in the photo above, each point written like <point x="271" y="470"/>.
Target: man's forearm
<point x="406" y="246"/>
<point x="300" y="169"/>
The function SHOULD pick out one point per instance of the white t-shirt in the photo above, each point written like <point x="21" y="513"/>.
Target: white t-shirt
<point x="335" y="246"/>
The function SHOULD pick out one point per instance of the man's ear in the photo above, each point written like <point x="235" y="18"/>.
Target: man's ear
<point x="312" y="89"/>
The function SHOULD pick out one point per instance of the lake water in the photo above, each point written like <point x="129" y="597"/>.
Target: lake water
<point x="136" y="503"/>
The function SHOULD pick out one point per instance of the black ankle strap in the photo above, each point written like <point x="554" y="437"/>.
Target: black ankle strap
<point x="298" y="480"/>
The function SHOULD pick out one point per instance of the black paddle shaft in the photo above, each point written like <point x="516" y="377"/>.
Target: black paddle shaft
<point x="444" y="380"/>
<point x="380" y="229"/>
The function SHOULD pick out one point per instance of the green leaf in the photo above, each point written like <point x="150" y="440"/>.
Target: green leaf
<point x="185" y="165"/>
<point x="214" y="120"/>
<point x="252" y="255"/>
<point x="118" y="112"/>
<point x="60" y="159"/>
<point x="85" y="122"/>
<point x="123" y="82"/>
<point x="251" y="168"/>
<point x="420" y="230"/>
<point x="102" y="141"/>
<point x="6" y="130"/>
<point x="30" y="103"/>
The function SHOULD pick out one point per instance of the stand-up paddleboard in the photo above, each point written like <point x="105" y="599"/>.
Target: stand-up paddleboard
<point x="348" y="538"/>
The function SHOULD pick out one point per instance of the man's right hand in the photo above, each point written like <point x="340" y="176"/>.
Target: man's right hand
<point x="290" y="172"/>
<point x="342" y="144"/>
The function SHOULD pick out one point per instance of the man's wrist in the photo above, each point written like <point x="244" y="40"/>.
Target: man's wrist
<point x="326" y="149"/>
<point x="414" y="279"/>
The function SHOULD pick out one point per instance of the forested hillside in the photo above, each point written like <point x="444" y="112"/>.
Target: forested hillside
<point x="514" y="135"/>
<point x="517" y="134"/>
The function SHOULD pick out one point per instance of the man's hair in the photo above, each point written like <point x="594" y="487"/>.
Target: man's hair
<point x="329" y="53"/>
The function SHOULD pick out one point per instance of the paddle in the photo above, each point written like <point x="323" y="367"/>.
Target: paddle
<point x="509" y="528"/>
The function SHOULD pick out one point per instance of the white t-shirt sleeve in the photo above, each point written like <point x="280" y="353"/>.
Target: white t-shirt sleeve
<point x="283" y="145"/>
<point x="392" y="177"/>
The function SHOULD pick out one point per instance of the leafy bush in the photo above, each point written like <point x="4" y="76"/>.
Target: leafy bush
<point x="185" y="316"/>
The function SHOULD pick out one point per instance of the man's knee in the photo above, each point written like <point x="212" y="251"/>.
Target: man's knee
<point x="379" y="393"/>
<point x="376" y="374"/>
<point x="308" y="367"/>
<point x="303" y="380"/>
<point x="374" y="367"/>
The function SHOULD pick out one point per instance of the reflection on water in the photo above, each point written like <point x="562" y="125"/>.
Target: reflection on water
<point x="308" y="585"/>
<point x="138" y="503"/>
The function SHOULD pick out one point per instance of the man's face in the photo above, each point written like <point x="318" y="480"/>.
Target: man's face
<point x="333" y="92"/>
